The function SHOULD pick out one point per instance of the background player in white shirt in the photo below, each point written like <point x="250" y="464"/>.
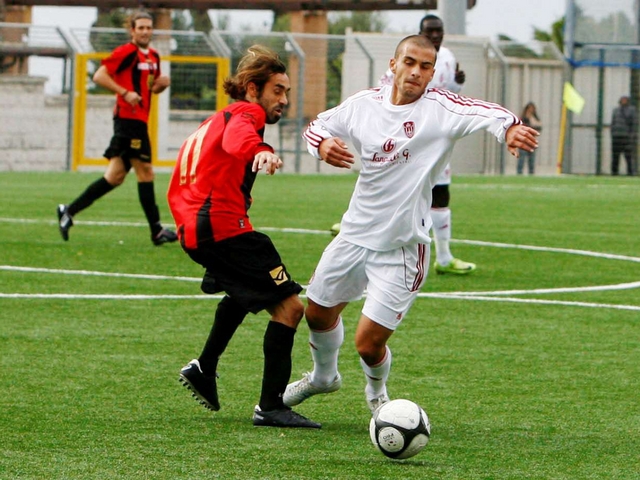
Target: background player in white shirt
<point x="450" y="77"/>
<point x="404" y="136"/>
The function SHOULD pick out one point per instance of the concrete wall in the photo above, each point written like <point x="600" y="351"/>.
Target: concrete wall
<point x="34" y="130"/>
<point x="33" y="127"/>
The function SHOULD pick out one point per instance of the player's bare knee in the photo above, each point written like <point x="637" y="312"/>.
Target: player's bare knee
<point x="115" y="179"/>
<point x="297" y="309"/>
<point x="371" y="352"/>
<point x="319" y="318"/>
<point x="288" y="312"/>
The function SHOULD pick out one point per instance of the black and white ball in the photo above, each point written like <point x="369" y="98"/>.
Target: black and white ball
<point x="400" y="429"/>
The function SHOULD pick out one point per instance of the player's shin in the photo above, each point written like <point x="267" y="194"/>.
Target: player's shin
<point x="325" y="347"/>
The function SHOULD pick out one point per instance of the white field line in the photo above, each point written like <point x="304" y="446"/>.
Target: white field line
<point x="75" y="222"/>
<point x="139" y="224"/>
<point x="498" y="295"/>
<point x="570" y="251"/>
<point x="98" y="274"/>
<point x="327" y="232"/>
<point x="65" y="296"/>
<point x="532" y="300"/>
<point x="69" y="296"/>
<point x="535" y="188"/>
<point x="541" y="291"/>
<point x="538" y="291"/>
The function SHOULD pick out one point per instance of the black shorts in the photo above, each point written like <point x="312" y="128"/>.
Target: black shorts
<point x="440" y="196"/>
<point x="130" y="141"/>
<point x="248" y="268"/>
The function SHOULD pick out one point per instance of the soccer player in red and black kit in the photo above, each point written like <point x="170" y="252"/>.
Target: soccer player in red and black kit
<point x="209" y="196"/>
<point x="132" y="72"/>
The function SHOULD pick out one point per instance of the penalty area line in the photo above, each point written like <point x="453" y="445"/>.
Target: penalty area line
<point x="532" y="300"/>
<point x="97" y="274"/>
<point x="66" y="296"/>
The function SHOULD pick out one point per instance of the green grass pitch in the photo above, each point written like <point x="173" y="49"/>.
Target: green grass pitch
<point x="528" y="369"/>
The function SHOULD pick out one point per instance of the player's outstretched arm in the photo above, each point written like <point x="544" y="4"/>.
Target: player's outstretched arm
<point x="521" y="137"/>
<point x="335" y="152"/>
<point x="270" y="161"/>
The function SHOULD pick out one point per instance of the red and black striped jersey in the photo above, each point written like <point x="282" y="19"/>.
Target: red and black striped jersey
<point x="135" y="70"/>
<point x="210" y="189"/>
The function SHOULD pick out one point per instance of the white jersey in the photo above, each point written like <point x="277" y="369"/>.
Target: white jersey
<point x="445" y="73"/>
<point x="444" y="77"/>
<point x="402" y="148"/>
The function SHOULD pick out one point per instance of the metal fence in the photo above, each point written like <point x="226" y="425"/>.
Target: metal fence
<point x="325" y="69"/>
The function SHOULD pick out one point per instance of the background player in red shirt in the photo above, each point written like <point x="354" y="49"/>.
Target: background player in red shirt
<point x="132" y="72"/>
<point x="209" y="196"/>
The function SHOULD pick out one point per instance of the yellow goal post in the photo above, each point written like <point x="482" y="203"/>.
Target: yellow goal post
<point x="79" y="157"/>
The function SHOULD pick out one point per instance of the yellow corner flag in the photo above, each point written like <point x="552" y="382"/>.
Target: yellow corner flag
<point x="572" y="99"/>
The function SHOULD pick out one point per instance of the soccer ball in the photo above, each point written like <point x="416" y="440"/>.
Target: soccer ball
<point x="400" y="429"/>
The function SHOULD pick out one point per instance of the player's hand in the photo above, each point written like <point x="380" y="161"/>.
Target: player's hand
<point x="335" y="152"/>
<point x="132" y="98"/>
<point x="460" y="76"/>
<point x="270" y="161"/>
<point x="160" y="84"/>
<point x="521" y="137"/>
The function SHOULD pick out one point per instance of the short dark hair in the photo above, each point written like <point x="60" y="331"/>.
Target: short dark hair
<point x="256" y="66"/>
<point x="419" y="40"/>
<point x="426" y="18"/>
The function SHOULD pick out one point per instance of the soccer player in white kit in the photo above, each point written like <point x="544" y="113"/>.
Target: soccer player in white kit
<point x="404" y="135"/>
<point x="449" y="77"/>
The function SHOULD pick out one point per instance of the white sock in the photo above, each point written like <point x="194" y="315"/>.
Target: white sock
<point x="325" y="346"/>
<point x="377" y="376"/>
<point x="442" y="233"/>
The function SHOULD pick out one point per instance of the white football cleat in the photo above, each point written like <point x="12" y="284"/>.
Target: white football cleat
<point x="298" y="392"/>
<point x="376" y="403"/>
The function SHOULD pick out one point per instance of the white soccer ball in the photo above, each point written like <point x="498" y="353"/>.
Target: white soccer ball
<point x="400" y="429"/>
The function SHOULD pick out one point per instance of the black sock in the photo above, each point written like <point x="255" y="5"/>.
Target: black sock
<point x="278" y="343"/>
<point x="229" y="316"/>
<point x="93" y="192"/>
<point x="147" y="197"/>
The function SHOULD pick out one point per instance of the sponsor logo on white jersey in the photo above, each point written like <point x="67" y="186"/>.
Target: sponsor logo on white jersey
<point x="389" y="145"/>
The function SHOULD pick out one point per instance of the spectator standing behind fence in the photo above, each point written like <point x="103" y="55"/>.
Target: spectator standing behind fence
<point x="529" y="118"/>
<point x="624" y="136"/>
<point x="132" y="72"/>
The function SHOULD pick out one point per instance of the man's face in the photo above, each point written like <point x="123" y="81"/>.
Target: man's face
<point x="141" y="33"/>
<point x="274" y="96"/>
<point x="413" y="70"/>
<point x="434" y="30"/>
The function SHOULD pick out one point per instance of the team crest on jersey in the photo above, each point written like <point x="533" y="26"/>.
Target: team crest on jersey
<point x="136" y="143"/>
<point x="279" y="275"/>
<point x="409" y="129"/>
<point x="389" y="145"/>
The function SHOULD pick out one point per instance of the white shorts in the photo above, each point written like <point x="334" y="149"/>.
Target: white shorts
<point x="444" y="178"/>
<point x="392" y="279"/>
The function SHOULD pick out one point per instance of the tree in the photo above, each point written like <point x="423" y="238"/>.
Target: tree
<point x="358" y="22"/>
<point x="556" y="35"/>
